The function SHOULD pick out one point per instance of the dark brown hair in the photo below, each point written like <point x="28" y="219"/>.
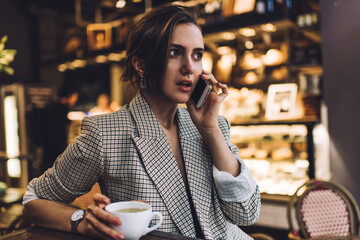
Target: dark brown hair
<point x="150" y="40"/>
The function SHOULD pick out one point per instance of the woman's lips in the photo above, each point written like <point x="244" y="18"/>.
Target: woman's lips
<point x="184" y="85"/>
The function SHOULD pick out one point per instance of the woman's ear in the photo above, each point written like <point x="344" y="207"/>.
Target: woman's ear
<point x="138" y="64"/>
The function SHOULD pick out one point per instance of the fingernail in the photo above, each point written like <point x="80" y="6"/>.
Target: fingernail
<point x="117" y="221"/>
<point x="120" y="237"/>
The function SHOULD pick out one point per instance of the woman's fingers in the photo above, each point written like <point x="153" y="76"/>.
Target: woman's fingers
<point x="97" y="228"/>
<point x="100" y="200"/>
<point x="219" y="88"/>
<point x="224" y="89"/>
<point x="103" y="215"/>
<point x="98" y="221"/>
<point x="211" y="79"/>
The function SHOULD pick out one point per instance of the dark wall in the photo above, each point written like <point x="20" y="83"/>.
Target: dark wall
<point x="341" y="52"/>
<point x="17" y="23"/>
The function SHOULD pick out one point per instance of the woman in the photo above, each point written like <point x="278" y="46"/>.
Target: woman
<point x="179" y="161"/>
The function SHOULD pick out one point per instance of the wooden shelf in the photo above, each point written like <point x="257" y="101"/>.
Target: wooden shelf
<point x="305" y="121"/>
<point x="308" y="69"/>
<point x="249" y="19"/>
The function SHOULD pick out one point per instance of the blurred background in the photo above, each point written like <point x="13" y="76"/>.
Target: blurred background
<point x="291" y="66"/>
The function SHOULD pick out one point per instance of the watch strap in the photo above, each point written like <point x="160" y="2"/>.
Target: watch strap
<point x="75" y="224"/>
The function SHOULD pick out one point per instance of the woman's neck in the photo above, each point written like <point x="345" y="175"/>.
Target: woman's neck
<point x="162" y="108"/>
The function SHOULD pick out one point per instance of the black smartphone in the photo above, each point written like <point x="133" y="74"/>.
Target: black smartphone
<point x="200" y="93"/>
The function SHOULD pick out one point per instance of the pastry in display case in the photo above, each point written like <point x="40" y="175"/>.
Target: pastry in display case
<point x="242" y="104"/>
<point x="276" y="155"/>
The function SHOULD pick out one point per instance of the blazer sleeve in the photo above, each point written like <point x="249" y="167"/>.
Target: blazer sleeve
<point x="240" y="196"/>
<point x="76" y="170"/>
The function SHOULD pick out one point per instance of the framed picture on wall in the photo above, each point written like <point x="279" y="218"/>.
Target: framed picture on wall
<point x="99" y="36"/>
<point x="281" y="101"/>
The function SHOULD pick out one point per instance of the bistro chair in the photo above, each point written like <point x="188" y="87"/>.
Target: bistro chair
<point x="323" y="210"/>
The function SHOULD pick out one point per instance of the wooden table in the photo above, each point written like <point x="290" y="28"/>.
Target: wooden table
<point x="338" y="238"/>
<point x="38" y="233"/>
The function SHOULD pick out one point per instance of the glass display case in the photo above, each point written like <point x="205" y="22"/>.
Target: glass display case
<point x="276" y="155"/>
<point x="283" y="155"/>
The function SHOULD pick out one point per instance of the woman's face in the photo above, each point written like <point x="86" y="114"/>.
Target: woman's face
<point x="184" y="63"/>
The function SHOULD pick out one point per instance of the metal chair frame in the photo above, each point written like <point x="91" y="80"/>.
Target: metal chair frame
<point x="261" y="236"/>
<point x="298" y="197"/>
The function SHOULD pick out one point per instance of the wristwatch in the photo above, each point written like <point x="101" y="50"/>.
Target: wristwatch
<point x="76" y="218"/>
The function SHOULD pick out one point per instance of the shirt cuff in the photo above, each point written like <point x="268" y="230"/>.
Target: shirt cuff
<point x="30" y="193"/>
<point x="234" y="189"/>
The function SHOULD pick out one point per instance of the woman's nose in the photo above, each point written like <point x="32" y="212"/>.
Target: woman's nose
<point x="187" y="66"/>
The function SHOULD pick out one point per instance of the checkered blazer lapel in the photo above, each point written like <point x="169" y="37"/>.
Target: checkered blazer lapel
<point x="160" y="164"/>
<point x="198" y="165"/>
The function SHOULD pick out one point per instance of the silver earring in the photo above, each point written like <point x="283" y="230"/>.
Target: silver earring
<point x="142" y="83"/>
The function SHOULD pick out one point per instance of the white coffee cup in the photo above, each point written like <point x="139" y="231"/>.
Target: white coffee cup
<point x="135" y="218"/>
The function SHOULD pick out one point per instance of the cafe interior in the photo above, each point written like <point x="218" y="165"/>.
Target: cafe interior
<point x="294" y="94"/>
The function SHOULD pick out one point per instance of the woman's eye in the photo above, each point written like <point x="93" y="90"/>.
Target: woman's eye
<point x="198" y="55"/>
<point x="174" y="52"/>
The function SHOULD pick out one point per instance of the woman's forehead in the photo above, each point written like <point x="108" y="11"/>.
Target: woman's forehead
<point x="188" y="34"/>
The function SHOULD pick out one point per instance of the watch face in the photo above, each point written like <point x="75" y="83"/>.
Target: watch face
<point x="77" y="215"/>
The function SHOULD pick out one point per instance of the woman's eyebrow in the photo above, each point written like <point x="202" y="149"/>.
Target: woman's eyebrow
<point x="183" y="48"/>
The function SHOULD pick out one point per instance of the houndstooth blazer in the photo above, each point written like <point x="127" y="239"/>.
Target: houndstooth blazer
<point x="128" y="153"/>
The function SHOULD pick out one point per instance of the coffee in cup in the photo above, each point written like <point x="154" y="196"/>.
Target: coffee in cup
<point x="135" y="218"/>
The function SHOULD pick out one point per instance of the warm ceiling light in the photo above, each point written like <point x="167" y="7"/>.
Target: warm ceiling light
<point x="250" y="61"/>
<point x="120" y="4"/>
<point x="207" y="61"/>
<point x="79" y="63"/>
<point x="116" y="57"/>
<point x="247" y="32"/>
<point x="224" y="50"/>
<point x="251" y="78"/>
<point x="273" y="57"/>
<point x="62" y="67"/>
<point x="70" y="66"/>
<point x="268" y="27"/>
<point x="228" y="36"/>
<point x="101" y="59"/>
<point x="249" y="44"/>
<point x="227" y="61"/>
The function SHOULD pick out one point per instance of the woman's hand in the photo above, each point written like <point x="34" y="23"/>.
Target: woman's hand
<point x="97" y="221"/>
<point x="206" y="121"/>
<point x="206" y="117"/>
